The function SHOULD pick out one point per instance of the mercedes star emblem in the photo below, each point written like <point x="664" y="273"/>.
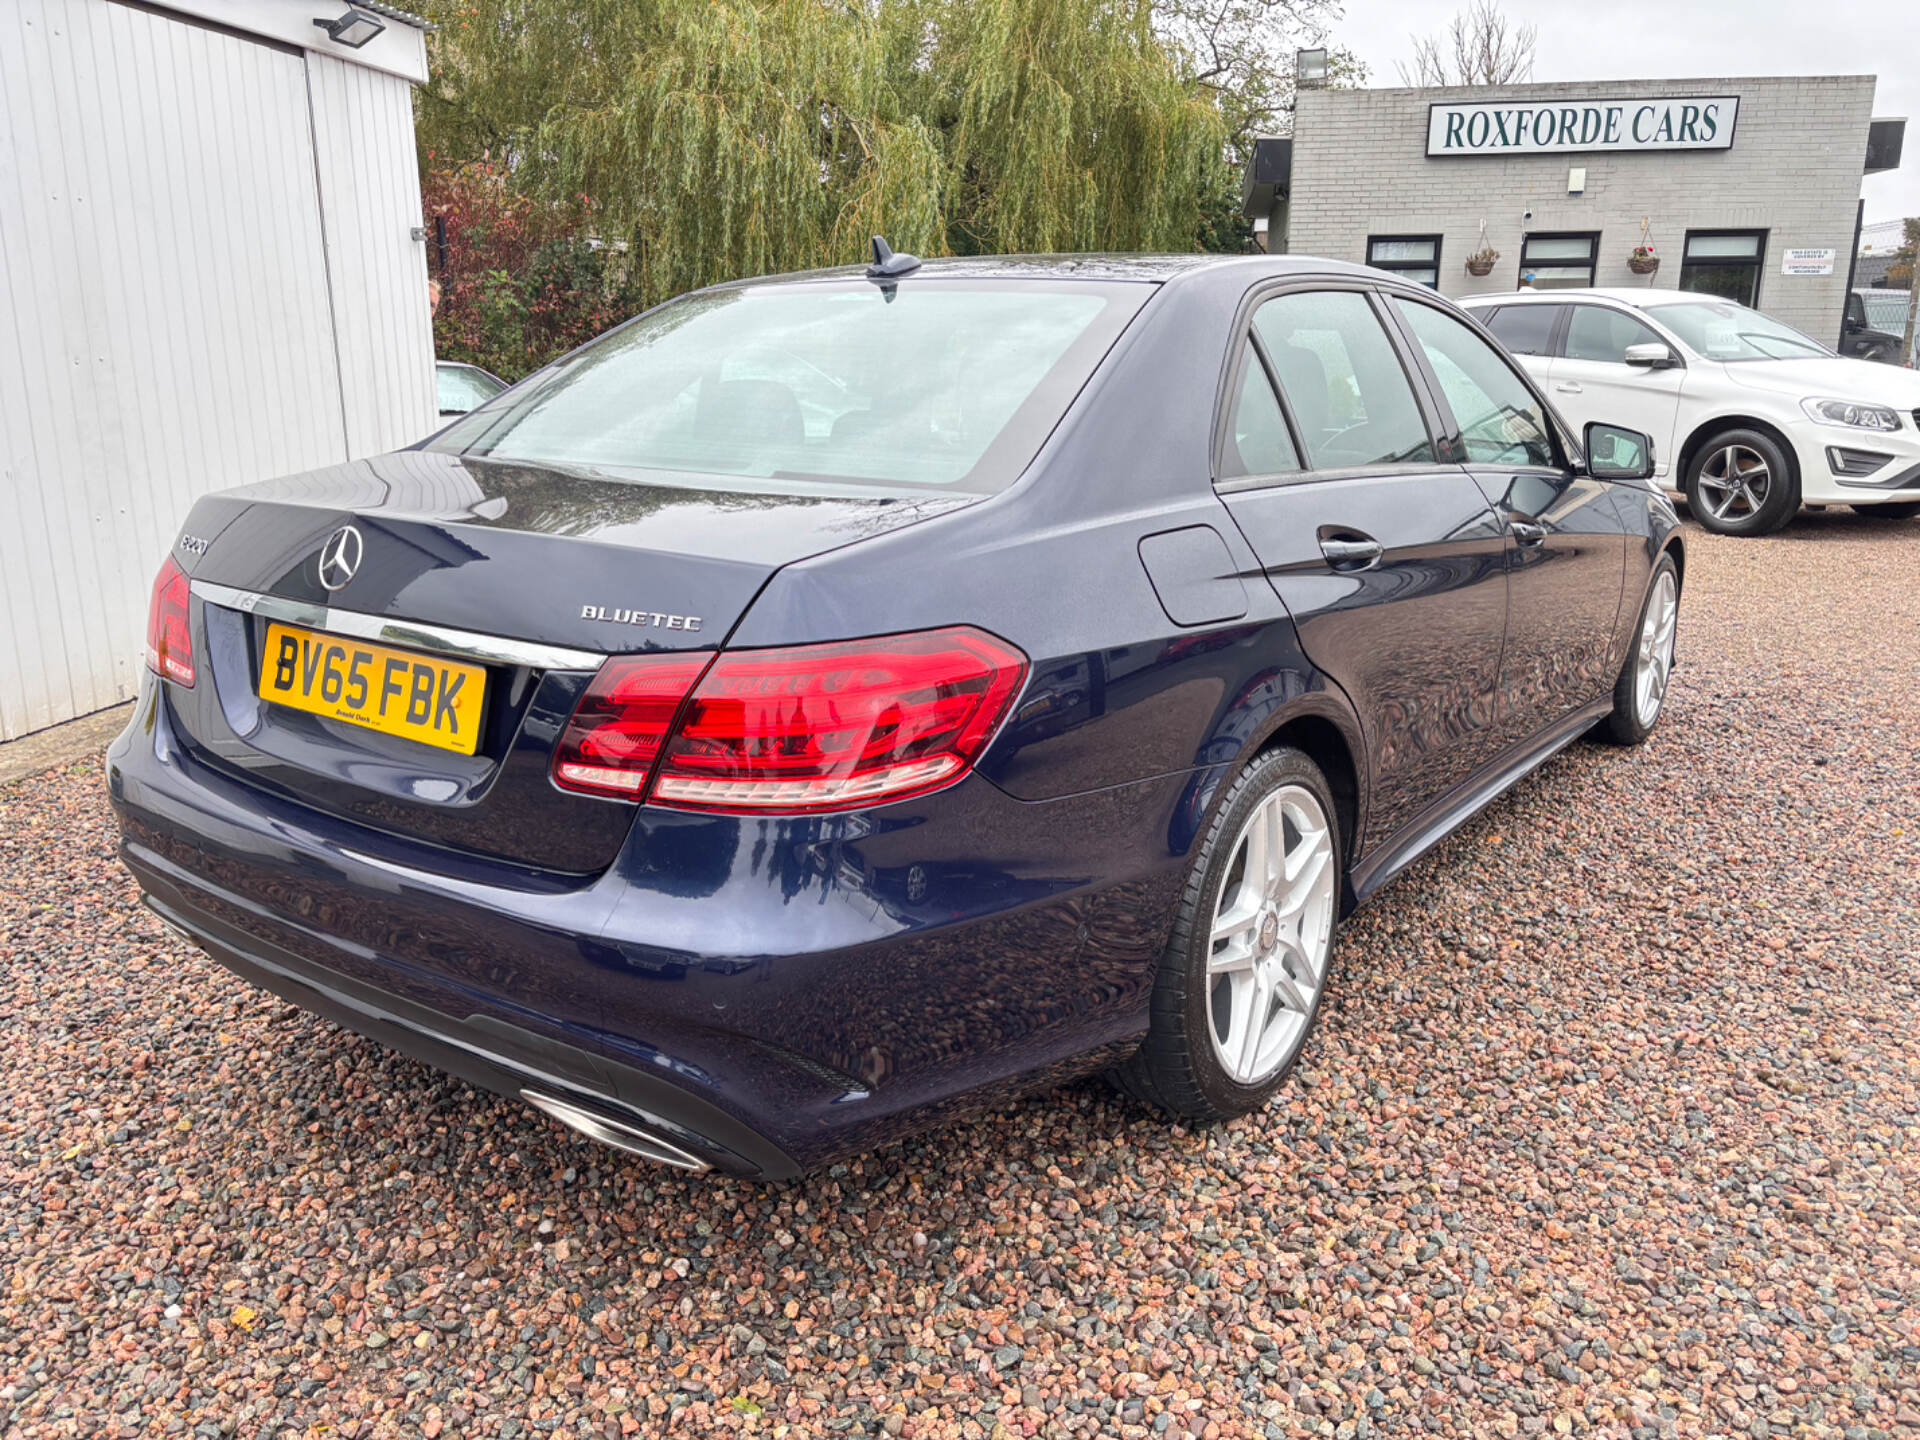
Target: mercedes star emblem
<point x="340" y="557"/>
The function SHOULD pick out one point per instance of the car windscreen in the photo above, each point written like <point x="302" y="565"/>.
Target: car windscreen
<point x="1721" y="330"/>
<point x="949" y="384"/>
<point x="1885" y="310"/>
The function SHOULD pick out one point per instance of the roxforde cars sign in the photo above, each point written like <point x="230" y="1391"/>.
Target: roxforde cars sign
<point x="1507" y="127"/>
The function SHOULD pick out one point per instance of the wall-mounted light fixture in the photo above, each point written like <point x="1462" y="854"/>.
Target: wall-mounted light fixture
<point x="353" y="29"/>
<point x="1310" y="69"/>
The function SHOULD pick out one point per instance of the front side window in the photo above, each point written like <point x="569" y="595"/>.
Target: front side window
<point x="1501" y="420"/>
<point x="1258" y="442"/>
<point x="1411" y="257"/>
<point x="1598" y="333"/>
<point x="1343" y="380"/>
<point x="1526" y="329"/>
<point x="944" y="383"/>
<point x="1724" y="263"/>
<point x="1559" y="262"/>
<point x="1720" y="330"/>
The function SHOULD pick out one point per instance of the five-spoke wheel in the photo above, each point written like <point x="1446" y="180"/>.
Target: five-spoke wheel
<point x="1742" y="482"/>
<point x="1640" y="692"/>
<point x="1653" y="655"/>
<point x="1272" y="930"/>
<point x="1734" y="482"/>
<point x="1243" y="975"/>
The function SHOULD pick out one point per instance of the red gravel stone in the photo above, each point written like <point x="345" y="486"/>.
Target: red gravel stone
<point x="1612" y="1129"/>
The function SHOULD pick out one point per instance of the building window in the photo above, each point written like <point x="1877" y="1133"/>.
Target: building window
<point x="1559" y="262"/>
<point x="1724" y="263"/>
<point x="1413" y="257"/>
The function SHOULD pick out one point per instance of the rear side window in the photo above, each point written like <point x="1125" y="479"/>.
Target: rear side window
<point x="1597" y="333"/>
<point x="951" y="384"/>
<point x="1352" y="399"/>
<point x="1500" y="419"/>
<point x="1526" y="329"/>
<point x="1258" y="442"/>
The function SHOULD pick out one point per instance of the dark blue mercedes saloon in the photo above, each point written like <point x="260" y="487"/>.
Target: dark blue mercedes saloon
<point x="829" y="701"/>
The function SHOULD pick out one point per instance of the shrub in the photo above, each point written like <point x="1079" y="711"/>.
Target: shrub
<point x="520" y="281"/>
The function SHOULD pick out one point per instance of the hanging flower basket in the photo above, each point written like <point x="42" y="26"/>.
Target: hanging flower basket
<point x="1643" y="261"/>
<point x="1481" y="262"/>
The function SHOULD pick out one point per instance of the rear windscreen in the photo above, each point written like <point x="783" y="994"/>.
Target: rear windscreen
<point x="934" y="383"/>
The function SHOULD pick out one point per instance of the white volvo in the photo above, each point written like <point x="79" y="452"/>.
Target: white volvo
<point x="1750" y="418"/>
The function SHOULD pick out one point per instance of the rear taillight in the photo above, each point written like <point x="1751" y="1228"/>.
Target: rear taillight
<point x="807" y="728"/>
<point x="620" y="726"/>
<point x="169" y="637"/>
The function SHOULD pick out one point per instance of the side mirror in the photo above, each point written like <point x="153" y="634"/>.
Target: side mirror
<point x="1617" y="453"/>
<point x="1653" y="356"/>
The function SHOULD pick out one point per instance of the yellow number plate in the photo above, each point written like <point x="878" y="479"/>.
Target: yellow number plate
<point x="396" y="692"/>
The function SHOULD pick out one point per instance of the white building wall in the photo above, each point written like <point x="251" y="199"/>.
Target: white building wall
<point x="172" y="320"/>
<point x="370" y="188"/>
<point x="1360" y="168"/>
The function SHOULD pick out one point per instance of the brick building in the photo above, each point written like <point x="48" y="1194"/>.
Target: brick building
<point x="1748" y="188"/>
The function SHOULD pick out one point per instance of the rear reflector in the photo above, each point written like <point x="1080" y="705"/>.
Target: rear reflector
<point x="800" y="729"/>
<point x="169" y="635"/>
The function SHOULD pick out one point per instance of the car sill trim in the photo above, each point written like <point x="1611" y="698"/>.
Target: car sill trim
<point x="415" y="634"/>
<point x="1470" y="799"/>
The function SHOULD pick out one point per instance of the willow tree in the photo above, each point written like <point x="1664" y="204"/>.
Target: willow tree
<point x="729" y="137"/>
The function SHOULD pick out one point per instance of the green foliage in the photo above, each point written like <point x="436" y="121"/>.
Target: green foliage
<point x="522" y="281"/>
<point x="719" y="138"/>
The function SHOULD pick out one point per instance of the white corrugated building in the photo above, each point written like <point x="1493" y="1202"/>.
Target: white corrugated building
<point x="209" y="273"/>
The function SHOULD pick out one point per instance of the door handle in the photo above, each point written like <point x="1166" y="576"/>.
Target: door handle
<point x="1358" y="552"/>
<point x="1568" y="387"/>
<point x="1526" y="532"/>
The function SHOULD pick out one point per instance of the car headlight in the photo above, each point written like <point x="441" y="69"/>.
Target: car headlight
<point x="1851" y="413"/>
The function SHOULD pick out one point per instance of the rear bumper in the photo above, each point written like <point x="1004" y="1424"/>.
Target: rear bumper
<point x="765" y="995"/>
<point x="494" y="1055"/>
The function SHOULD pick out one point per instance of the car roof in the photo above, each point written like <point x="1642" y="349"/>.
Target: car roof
<point x="1638" y="298"/>
<point x="1149" y="268"/>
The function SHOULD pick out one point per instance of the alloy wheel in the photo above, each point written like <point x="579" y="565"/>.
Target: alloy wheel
<point x="1271" y="936"/>
<point x="1735" y="482"/>
<point x="1653" y="663"/>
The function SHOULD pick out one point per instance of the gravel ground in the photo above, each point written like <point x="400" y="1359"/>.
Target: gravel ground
<point x="1612" y="1127"/>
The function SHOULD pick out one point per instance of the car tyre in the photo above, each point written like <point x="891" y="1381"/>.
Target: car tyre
<point x="1742" y="482"/>
<point x="1899" y="510"/>
<point x="1640" y="691"/>
<point x="1240" y="983"/>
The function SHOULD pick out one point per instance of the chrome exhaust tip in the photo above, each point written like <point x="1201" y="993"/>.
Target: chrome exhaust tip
<point x="619" y="1135"/>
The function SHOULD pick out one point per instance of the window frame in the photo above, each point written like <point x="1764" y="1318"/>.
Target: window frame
<point x="1401" y="267"/>
<point x="1250" y="346"/>
<point x="1564" y="443"/>
<point x="1757" y="265"/>
<point x="1593" y="256"/>
<point x="1643" y="320"/>
<point x="1242" y="339"/>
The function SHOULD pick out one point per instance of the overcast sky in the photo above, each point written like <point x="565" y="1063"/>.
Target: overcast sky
<point x="1687" y="39"/>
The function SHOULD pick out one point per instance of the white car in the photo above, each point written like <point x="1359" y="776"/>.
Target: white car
<point x="1750" y="419"/>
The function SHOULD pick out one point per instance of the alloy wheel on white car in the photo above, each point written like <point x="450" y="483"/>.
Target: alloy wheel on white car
<point x="1271" y="936"/>
<point x="1735" y="482"/>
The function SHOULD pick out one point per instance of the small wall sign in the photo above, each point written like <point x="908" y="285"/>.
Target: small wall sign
<point x="1668" y="122"/>
<point x="1807" y="262"/>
